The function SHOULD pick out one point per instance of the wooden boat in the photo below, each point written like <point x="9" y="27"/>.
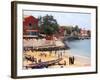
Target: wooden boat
<point x="43" y="64"/>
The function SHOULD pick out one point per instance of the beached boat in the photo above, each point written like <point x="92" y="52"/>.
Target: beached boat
<point x="43" y="64"/>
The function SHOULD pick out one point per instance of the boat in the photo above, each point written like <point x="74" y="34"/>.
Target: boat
<point x="43" y="64"/>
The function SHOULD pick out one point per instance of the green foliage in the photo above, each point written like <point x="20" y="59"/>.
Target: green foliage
<point x="48" y="24"/>
<point x="70" y="29"/>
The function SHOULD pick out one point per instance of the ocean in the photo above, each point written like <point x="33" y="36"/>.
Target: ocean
<point x="80" y="47"/>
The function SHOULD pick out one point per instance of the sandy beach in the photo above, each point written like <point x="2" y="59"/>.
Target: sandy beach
<point x="80" y="61"/>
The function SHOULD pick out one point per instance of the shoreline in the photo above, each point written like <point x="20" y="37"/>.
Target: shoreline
<point x="80" y="56"/>
<point x="77" y="52"/>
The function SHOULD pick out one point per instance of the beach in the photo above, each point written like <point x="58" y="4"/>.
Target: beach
<point x="80" y="61"/>
<point x="43" y="53"/>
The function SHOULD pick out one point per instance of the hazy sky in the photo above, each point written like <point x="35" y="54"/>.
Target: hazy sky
<point x="83" y="20"/>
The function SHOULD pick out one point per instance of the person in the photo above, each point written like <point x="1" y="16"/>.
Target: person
<point x="39" y="60"/>
<point x="71" y="60"/>
<point x="55" y="52"/>
<point x="35" y="60"/>
<point x="32" y="59"/>
<point x="45" y="55"/>
<point x="61" y="54"/>
<point x="64" y="62"/>
<point x="58" y="56"/>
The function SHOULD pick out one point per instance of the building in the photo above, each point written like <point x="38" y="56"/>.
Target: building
<point x="62" y="31"/>
<point x="30" y="26"/>
<point x="83" y="32"/>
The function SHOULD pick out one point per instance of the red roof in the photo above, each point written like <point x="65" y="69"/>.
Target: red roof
<point x="30" y="19"/>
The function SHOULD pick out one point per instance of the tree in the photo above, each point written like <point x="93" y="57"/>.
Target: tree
<point x="40" y="21"/>
<point x="48" y="25"/>
<point x="76" y="28"/>
<point x="69" y="29"/>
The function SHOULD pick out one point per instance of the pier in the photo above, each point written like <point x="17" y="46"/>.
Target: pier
<point x="71" y="38"/>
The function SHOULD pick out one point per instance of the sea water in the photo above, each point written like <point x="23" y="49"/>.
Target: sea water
<point x="80" y="47"/>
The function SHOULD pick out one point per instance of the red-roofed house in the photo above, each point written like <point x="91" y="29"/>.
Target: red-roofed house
<point x="30" y="26"/>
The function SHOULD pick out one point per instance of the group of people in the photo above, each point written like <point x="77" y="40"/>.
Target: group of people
<point x="32" y="58"/>
<point x="43" y="54"/>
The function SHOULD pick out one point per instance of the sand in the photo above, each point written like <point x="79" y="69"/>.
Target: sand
<point x="80" y="61"/>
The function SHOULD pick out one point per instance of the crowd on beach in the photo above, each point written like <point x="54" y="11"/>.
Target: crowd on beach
<point x="42" y="56"/>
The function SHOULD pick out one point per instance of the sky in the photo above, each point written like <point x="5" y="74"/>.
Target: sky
<point x="83" y="20"/>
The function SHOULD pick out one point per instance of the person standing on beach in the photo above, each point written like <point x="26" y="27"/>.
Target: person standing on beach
<point x="64" y="62"/>
<point x="71" y="60"/>
<point x="61" y="54"/>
